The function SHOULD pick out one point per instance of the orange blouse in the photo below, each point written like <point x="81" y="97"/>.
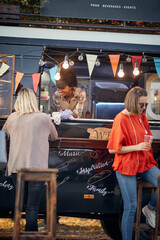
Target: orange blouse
<point x="126" y="131"/>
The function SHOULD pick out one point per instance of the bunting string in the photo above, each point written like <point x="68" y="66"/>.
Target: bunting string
<point x="90" y="58"/>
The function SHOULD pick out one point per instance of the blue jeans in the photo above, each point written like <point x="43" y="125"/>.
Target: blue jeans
<point x="33" y="192"/>
<point x="128" y="186"/>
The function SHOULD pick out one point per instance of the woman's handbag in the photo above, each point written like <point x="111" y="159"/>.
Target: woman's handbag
<point x="3" y="151"/>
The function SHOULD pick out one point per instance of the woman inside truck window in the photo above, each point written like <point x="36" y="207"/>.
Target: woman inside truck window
<point x="29" y="130"/>
<point x="133" y="157"/>
<point x="68" y="95"/>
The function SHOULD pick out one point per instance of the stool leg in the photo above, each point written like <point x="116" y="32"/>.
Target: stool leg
<point x="157" y="228"/>
<point x="158" y="210"/>
<point x="51" y="207"/>
<point x="48" y="206"/>
<point x="18" y="205"/>
<point x="152" y="230"/>
<point x="138" y="212"/>
<point x="53" y="203"/>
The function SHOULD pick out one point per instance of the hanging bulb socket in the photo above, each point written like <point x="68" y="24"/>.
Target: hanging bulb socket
<point x="97" y="63"/>
<point x="144" y="59"/>
<point x="80" y="57"/>
<point x="71" y="62"/>
<point x="128" y="59"/>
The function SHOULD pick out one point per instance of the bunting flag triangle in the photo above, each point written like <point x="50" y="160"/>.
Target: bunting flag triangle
<point x="157" y="65"/>
<point x="53" y="73"/>
<point x="3" y="69"/>
<point x="114" y="59"/>
<point x="18" y="78"/>
<point x="36" y="79"/>
<point x="91" y="59"/>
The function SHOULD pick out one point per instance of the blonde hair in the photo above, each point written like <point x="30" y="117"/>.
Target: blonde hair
<point x="26" y="102"/>
<point x="132" y="97"/>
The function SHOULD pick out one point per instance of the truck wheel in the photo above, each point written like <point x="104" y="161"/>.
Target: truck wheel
<point x="111" y="226"/>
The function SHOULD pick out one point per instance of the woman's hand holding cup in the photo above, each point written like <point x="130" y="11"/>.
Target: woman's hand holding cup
<point x="148" y="140"/>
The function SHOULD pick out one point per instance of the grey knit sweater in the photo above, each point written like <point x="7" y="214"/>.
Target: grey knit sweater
<point x="29" y="145"/>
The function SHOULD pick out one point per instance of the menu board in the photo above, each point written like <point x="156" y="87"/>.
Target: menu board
<point x="7" y="63"/>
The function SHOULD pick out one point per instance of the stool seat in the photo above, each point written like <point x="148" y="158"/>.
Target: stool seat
<point x="138" y="225"/>
<point x="46" y="175"/>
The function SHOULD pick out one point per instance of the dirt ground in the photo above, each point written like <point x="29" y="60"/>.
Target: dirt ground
<point x="68" y="228"/>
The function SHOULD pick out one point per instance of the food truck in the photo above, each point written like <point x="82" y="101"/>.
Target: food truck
<point x="86" y="184"/>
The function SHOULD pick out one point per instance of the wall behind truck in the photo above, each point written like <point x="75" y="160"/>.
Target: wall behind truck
<point x="26" y="61"/>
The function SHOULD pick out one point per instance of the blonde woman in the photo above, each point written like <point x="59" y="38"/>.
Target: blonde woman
<point x="29" y="131"/>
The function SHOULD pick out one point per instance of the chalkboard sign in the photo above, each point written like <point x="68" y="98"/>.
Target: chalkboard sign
<point x="7" y="63"/>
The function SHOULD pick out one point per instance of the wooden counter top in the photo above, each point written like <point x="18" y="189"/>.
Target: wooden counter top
<point x="88" y="143"/>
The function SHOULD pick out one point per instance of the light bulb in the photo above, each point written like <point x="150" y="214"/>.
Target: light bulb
<point x="80" y="57"/>
<point x="120" y="72"/>
<point x="71" y="63"/>
<point x="42" y="63"/>
<point x="144" y="59"/>
<point x="136" y="70"/>
<point x="65" y="64"/>
<point x="57" y="76"/>
<point x="128" y="59"/>
<point x="97" y="63"/>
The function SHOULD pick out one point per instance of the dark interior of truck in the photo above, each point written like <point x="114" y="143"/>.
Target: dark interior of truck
<point x="105" y="92"/>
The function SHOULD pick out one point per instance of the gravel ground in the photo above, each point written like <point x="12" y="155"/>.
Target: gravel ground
<point x="68" y="228"/>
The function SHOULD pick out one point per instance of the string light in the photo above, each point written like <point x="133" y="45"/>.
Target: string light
<point x="121" y="72"/>
<point x="136" y="70"/>
<point x="128" y="59"/>
<point x="144" y="59"/>
<point x="65" y="64"/>
<point x="41" y="62"/>
<point x="71" y="63"/>
<point x="97" y="63"/>
<point x="80" y="57"/>
<point x="57" y="75"/>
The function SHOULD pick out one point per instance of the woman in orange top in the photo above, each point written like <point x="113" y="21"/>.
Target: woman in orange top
<point x="133" y="157"/>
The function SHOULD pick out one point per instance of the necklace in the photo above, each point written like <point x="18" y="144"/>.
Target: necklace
<point x="134" y="134"/>
<point x="133" y="128"/>
<point x="141" y="122"/>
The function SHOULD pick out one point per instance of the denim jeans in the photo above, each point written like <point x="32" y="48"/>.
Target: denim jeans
<point x="33" y="192"/>
<point x="128" y="186"/>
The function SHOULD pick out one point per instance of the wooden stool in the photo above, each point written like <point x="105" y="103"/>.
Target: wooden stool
<point x="140" y="185"/>
<point x="157" y="228"/>
<point x="46" y="175"/>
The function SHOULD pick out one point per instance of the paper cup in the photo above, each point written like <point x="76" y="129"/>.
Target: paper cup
<point x="148" y="139"/>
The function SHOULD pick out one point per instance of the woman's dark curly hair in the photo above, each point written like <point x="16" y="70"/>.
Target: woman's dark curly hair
<point x="68" y="78"/>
